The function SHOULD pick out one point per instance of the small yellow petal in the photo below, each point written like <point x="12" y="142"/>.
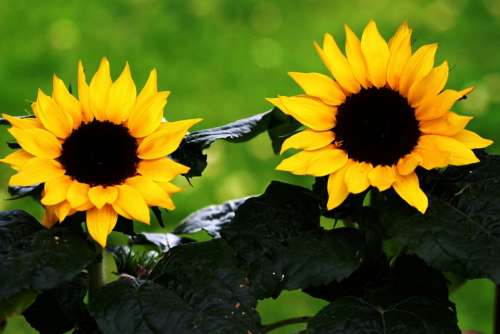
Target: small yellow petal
<point x="408" y="188"/>
<point x="55" y="190"/>
<point x="318" y="162"/>
<point x="23" y="123"/>
<point x="100" y="223"/>
<point x="149" y="90"/>
<point x="458" y="153"/>
<point x="376" y="54"/>
<point x="418" y="66"/>
<point x="356" y="177"/>
<point x="78" y="194"/>
<point x="430" y="86"/>
<point x="36" y="170"/>
<point x="152" y="193"/>
<point x="407" y="164"/>
<point x="276" y="101"/>
<point x="310" y="112"/>
<point x="165" y="140"/>
<point x="169" y="188"/>
<point x="147" y="119"/>
<point x="308" y="140"/>
<point x="99" y="195"/>
<point x="382" y="177"/>
<point x="17" y="159"/>
<point x="130" y="200"/>
<point x="99" y="90"/>
<point x="161" y="170"/>
<point x="448" y="125"/>
<point x="472" y="140"/>
<point x="431" y="156"/>
<point x="437" y="106"/>
<point x="121" y="98"/>
<point x="338" y="65"/>
<point x="355" y="57"/>
<point x="62" y="210"/>
<point x="53" y="118"/>
<point x="400" y="48"/>
<point x="84" y="94"/>
<point x="49" y="218"/>
<point x="66" y="102"/>
<point x="38" y="142"/>
<point x="320" y="86"/>
<point x="337" y="189"/>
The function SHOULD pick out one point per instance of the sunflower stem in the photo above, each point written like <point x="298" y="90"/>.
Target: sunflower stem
<point x="497" y="310"/>
<point x="96" y="274"/>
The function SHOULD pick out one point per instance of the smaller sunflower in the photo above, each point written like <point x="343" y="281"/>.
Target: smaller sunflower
<point x="105" y="152"/>
<point x="384" y="114"/>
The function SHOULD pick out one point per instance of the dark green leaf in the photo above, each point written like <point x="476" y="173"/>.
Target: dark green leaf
<point x="210" y="218"/>
<point x="58" y="310"/>
<point x="16" y="304"/>
<point x="145" y="307"/>
<point x="460" y="232"/>
<point x="281" y="126"/>
<point x="163" y="241"/>
<point x="40" y="259"/>
<point x="130" y="262"/>
<point x="20" y="192"/>
<point x="415" y="315"/>
<point x="278" y="234"/>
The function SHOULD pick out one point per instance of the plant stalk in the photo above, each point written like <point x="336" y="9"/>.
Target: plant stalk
<point x="96" y="274"/>
<point x="283" y="323"/>
<point x="496" y="319"/>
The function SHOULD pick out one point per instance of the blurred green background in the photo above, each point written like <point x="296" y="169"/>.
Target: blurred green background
<point x="220" y="59"/>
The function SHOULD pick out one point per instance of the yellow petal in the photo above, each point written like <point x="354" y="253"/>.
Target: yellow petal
<point x="55" y="190"/>
<point x="78" y="194"/>
<point x="472" y="140"/>
<point x="165" y="140"/>
<point x="408" y="189"/>
<point x="38" y="142"/>
<point x="100" y="223"/>
<point x="169" y="188"/>
<point x="310" y="112"/>
<point x="49" y="218"/>
<point x="418" y="66"/>
<point x="376" y="54"/>
<point x="36" y="170"/>
<point x="99" y="195"/>
<point x="458" y="153"/>
<point x="53" y="118"/>
<point x="400" y="48"/>
<point x="17" y="159"/>
<point x="355" y="57"/>
<point x="131" y="201"/>
<point x="356" y="177"/>
<point x="149" y="90"/>
<point x="62" y="210"/>
<point x="337" y="189"/>
<point x="318" y="162"/>
<point x="437" y="106"/>
<point x="161" y="170"/>
<point x="121" y="98"/>
<point x="145" y="120"/>
<point x="276" y="101"/>
<point x="448" y="125"/>
<point x="338" y="65"/>
<point x="382" y="177"/>
<point x="320" y="86"/>
<point x="99" y="89"/>
<point x="84" y="94"/>
<point x="152" y="193"/>
<point x="431" y="156"/>
<point x="23" y="123"/>
<point x="66" y="102"/>
<point x="308" y="140"/>
<point x="430" y="86"/>
<point x="407" y="164"/>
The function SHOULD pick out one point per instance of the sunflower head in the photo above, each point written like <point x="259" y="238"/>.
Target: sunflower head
<point x="104" y="152"/>
<point x="384" y="113"/>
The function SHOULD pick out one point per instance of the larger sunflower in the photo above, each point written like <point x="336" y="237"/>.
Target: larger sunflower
<point x="383" y="115"/>
<point x="104" y="153"/>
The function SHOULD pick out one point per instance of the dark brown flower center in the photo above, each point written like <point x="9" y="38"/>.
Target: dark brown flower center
<point x="100" y="153"/>
<point x="376" y="126"/>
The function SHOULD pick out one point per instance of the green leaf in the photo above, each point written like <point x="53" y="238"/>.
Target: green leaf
<point x="130" y="306"/>
<point x="20" y="192"/>
<point x="416" y="315"/>
<point x="210" y="218"/>
<point x="190" y="152"/>
<point x="279" y="235"/>
<point x="57" y="311"/>
<point x="460" y="232"/>
<point x="163" y="241"/>
<point x="39" y="259"/>
<point x="16" y="304"/>
<point x="130" y="262"/>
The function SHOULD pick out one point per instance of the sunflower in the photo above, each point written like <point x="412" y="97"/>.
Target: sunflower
<point x="104" y="152"/>
<point x="385" y="113"/>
